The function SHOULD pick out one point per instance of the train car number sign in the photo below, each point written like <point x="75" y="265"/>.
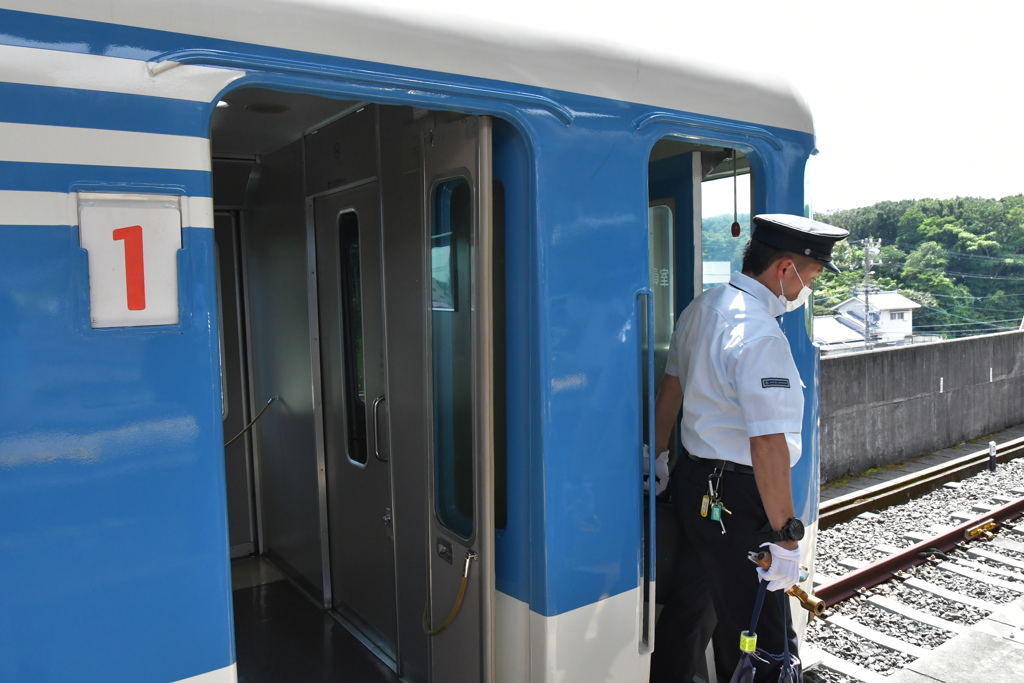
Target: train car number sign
<point x="133" y="243"/>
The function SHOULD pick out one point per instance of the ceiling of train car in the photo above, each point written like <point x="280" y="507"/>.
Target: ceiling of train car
<point x="255" y="121"/>
<point x="717" y="161"/>
<point x="258" y="121"/>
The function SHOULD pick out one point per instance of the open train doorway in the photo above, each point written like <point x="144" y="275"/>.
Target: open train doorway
<point x="355" y="239"/>
<point x="687" y="256"/>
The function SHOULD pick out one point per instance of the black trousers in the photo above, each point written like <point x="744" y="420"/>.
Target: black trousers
<point x="714" y="583"/>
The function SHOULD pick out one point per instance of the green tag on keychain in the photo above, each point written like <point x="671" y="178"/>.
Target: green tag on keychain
<point x="716" y="512"/>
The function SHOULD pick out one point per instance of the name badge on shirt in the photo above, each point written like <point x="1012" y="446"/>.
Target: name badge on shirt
<point x="774" y="383"/>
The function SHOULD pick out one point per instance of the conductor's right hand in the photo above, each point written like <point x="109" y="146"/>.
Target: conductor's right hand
<point x="785" y="570"/>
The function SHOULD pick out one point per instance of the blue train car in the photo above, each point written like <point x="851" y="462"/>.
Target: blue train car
<point x="440" y="266"/>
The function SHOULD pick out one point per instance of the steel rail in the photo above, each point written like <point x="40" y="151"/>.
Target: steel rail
<point x="878" y="572"/>
<point x="904" y="489"/>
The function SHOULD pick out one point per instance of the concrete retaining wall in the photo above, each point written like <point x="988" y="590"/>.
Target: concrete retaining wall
<point x="888" y="405"/>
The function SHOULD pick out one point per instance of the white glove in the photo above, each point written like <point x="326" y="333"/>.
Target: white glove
<point x="785" y="570"/>
<point x="660" y="471"/>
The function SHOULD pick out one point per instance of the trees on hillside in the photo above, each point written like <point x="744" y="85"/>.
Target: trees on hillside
<point x="962" y="259"/>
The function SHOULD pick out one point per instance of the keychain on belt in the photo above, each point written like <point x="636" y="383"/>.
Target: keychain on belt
<point x="712" y="501"/>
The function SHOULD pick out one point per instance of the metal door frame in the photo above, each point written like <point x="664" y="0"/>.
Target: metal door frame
<point x="313" y="303"/>
<point x="483" y="537"/>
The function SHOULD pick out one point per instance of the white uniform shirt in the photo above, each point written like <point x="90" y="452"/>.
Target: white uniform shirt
<point x="736" y="371"/>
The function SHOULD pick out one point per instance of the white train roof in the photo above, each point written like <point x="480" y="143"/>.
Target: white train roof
<point x="462" y="46"/>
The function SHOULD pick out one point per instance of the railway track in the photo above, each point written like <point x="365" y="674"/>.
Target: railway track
<point x="900" y="581"/>
<point x="907" y="488"/>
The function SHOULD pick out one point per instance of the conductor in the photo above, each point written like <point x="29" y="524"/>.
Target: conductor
<point x="731" y="371"/>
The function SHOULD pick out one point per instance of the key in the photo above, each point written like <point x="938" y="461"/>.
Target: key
<point x="716" y="512"/>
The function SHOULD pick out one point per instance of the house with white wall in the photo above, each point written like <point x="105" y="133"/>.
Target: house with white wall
<point x="890" y="316"/>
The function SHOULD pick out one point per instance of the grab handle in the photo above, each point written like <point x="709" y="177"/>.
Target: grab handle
<point x="647" y="643"/>
<point x="376" y="432"/>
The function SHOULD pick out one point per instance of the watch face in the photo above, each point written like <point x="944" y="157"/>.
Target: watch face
<point x="794" y="529"/>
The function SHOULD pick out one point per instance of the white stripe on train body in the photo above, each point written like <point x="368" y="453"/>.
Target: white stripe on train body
<point x="60" y="208"/>
<point x="228" y="674"/>
<point x="60" y="145"/>
<point x="35" y="66"/>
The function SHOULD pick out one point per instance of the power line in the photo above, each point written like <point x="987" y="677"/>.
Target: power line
<point x="991" y="323"/>
<point x="976" y="298"/>
<point x="954" y="315"/>
<point x="985" y="277"/>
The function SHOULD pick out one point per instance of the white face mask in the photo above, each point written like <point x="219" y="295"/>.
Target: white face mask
<point x="800" y="299"/>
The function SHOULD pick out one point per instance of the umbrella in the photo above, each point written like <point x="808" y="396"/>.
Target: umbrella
<point x="754" y="660"/>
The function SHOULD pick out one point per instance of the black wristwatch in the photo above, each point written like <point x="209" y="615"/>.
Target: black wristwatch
<point x="792" y="530"/>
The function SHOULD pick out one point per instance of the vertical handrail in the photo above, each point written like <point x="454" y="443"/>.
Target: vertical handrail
<point x="647" y="294"/>
<point x="483" y="428"/>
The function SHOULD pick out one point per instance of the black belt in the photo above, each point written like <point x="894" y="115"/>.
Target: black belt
<point x="727" y="465"/>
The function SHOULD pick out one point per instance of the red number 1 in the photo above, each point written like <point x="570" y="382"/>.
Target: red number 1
<point x="134" y="271"/>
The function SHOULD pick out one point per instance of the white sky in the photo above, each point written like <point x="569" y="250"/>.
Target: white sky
<point x="911" y="98"/>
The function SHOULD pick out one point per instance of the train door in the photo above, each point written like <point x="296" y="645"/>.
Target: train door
<point x="403" y="280"/>
<point x="686" y="256"/>
<point x="353" y="371"/>
<point x="458" y="184"/>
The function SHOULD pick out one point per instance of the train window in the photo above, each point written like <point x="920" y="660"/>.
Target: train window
<point x="451" y="321"/>
<point x="352" y="320"/>
<point x="724" y="199"/>
<point x="442" y="275"/>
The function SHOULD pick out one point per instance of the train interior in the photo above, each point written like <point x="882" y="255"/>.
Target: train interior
<point x="347" y="320"/>
<point x="345" y="234"/>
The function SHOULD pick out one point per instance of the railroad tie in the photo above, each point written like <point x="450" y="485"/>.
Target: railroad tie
<point x="897" y="607"/>
<point x="1003" y="500"/>
<point x="981" y="578"/>
<point x="1007" y="544"/>
<point x="854" y="671"/>
<point x="987" y="568"/>
<point x="995" y="557"/>
<point x="875" y="636"/>
<point x="887" y="549"/>
<point x="821" y="578"/>
<point x="853" y="563"/>
<point x="942" y="592"/>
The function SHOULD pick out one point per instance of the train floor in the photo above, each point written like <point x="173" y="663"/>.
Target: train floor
<point x="280" y="635"/>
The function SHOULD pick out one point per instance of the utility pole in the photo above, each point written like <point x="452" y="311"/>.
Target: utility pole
<point x="872" y="247"/>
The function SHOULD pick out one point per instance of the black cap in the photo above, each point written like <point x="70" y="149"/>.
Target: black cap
<point x="799" y="235"/>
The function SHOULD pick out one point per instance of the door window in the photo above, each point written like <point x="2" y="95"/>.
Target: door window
<point x="352" y="321"/>
<point x="452" y="335"/>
